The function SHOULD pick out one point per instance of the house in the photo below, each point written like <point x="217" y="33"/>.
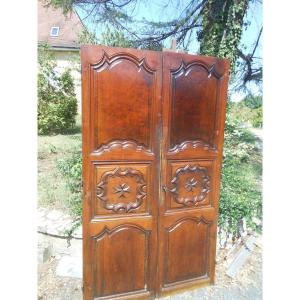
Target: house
<point x="61" y="32"/>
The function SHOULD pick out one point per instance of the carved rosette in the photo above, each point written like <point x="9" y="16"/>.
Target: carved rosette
<point x="122" y="190"/>
<point x="191" y="184"/>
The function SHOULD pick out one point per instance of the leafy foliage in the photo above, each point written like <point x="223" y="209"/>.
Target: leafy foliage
<point x="57" y="104"/>
<point x="221" y="30"/>
<point x="87" y="37"/>
<point x="240" y="196"/>
<point x="217" y="24"/>
<point x="71" y="169"/>
<point x="253" y="101"/>
<point x="115" y="38"/>
<point x="249" y="110"/>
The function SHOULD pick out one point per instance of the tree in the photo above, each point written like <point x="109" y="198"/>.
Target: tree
<point x="57" y="103"/>
<point x="221" y="30"/>
<point x="218" y="25"/>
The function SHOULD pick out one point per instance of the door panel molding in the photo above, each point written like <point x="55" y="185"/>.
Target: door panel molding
<point x="182" y="250"/>
<point x="108" y="255"/>
<point x="153" y="131"/>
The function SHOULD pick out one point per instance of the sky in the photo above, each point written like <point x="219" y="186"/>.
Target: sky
<point x="166" y="10"/>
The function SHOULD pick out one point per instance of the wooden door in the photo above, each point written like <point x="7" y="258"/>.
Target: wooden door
<point x="121" y="91"/>
<point x="153" y="127"/>
<point x="194" y="100"/>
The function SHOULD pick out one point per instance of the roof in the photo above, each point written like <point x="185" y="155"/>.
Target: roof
<point x="70" y="26"/>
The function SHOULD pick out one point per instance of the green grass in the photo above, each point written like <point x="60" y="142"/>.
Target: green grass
<point x="52" y="185"/>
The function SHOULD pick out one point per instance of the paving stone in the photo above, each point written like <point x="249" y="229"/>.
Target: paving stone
<point x="241" y="257"/>
<point x="45" y="250"/>
<point x="70" y="266"/>
<point x="41" y="212"/>
<point x="55" y="215"/>
<point x="54" y="222"/>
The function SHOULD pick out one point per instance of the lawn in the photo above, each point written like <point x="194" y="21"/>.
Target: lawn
<point x="53" y="191"/>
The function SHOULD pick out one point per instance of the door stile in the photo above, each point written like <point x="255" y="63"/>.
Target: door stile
<point x="222" y="95"/>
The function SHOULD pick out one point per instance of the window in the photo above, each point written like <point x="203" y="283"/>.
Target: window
<point x="54" y="31"/>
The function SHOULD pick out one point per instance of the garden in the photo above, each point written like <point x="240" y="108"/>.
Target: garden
<point x="60" y="161"/>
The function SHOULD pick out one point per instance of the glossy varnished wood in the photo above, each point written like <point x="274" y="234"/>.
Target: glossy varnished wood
<point x="153" y="127"/>
<point x="193" y="116"/>
<point x="121" y="126"/>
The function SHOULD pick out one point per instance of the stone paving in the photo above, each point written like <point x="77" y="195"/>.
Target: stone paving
<point x="54" y="222"/>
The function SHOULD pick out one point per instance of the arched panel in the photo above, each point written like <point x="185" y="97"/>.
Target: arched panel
<point x="123" y="97"/>
<point x="120" y="258"/>
<point x="193" y="106"/>
<point x="187" y="248"/>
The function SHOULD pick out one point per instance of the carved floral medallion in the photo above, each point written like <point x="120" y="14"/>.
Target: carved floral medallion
<point x="194" y="190"/>
<point x="122" y="190"/>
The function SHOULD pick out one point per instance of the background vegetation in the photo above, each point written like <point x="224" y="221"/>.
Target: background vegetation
<point x="57" y="103"/>
<point x="218" y="25"/>
<point x="240" y="197"/>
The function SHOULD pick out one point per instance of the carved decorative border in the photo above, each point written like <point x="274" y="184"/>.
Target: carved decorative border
<point x="108" y="62"/>
<point x="205" y="185"/>
<point x="192" y="145"/>
<point x="185" y="68"/>
<point x="122" y="145"/>
<point x="101" y="191"/>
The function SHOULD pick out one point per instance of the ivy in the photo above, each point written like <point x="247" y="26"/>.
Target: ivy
<point x="221" y="28"/>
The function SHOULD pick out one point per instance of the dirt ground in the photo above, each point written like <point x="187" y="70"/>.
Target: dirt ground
<point x="247" y="285"/>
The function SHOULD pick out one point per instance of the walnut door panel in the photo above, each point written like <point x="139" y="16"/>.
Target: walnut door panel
<point x="121" y="127"/>
<point x="123" y="250"/>
<point x="189" y="184"/>
<point x="122" y="188"/>
<point x="193" y="105"/>
<point x="125" y="88"/>
<point x="193" y="113"/>
<point x="153" y="127"/>
<point x="187" y="250"/>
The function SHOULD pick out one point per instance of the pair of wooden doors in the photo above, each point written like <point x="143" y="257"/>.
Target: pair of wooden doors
<point x="153" y="127"/>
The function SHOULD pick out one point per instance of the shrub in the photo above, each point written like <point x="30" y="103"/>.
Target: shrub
<point x="57" y="104"/>
<point x="240" y="196"/>
<point x="71" y="169"/>
<point x="257" y="120"/>
<point x="249" y="110"/>
<point x="252" y="101"/>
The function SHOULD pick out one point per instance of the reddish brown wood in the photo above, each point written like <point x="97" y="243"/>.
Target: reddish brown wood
<point x="193" y="116"/>
<point x="153" y="127"/>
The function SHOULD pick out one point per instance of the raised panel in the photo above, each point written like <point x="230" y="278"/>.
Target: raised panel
<point x="124" y="88"/>
<point x="186" y="250"/>
<point x="121" y="260"/>
<point x="193" y="107"/>
<point x="139" y="242"/>
<point x="189" y="184"/>
<point x="121" y="188"/>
